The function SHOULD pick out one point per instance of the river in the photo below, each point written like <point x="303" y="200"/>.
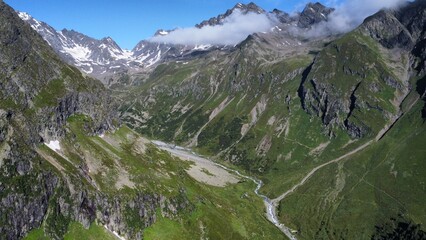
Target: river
<point x="271" y="208"/>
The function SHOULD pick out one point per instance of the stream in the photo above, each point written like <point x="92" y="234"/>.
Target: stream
<point x="271" y="208"/>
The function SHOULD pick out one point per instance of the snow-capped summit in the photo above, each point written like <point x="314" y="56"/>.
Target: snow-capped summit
<point x="243" y="8"/>
<point x="104" y="58"/>
<point x="24" y="16"/>
<point x="98" y="58"/>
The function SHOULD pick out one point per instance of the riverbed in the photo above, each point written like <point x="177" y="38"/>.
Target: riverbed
<point x="212" y="173"/>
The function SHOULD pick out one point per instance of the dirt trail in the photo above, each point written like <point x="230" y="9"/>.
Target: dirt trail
<point x="379" y="136"/>
<point x="282" y="196"/>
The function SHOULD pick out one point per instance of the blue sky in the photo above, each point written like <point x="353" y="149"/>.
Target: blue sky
<point x="130" y="21"/>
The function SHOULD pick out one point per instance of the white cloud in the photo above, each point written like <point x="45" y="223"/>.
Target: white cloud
<point x="349" y="14"/>
<point x="235" y="29"/>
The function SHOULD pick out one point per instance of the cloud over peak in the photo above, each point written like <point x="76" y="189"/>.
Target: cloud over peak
<point x="348" y="14"/>
<point x="234" y="29"/>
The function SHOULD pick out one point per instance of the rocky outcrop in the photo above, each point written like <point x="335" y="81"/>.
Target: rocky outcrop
<point x="335" y="88"/>
<point x="124" y="215"/>
<point x="23" y="207"/>
<point x="388" y="30"/>
<point x="43" y="197"/>
<point x="402" y="28"/>
<point x="53" y="119"/>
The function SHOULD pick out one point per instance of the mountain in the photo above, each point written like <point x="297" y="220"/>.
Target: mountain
<point x="105" y="60"/>
<point x="242" y="8"/>
<point x="313" y="13"/>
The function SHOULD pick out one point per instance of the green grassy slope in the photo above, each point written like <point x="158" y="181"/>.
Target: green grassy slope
<point x="350" y="199"/>
<point x="76" y="231"/>
<point x="124" y="165"/>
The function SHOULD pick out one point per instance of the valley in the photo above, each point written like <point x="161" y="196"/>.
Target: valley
<point x="294" y="130"/>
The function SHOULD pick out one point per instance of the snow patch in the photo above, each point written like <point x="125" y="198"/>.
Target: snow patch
<point x="142" y="58"/>
<point x="24" y="16"/>
<point x="127" y="53"/>
<point x="88" y="71"/>
<point x="36" y="25"/>
<point x="49" y="32"/>
<point x="54" y="145"/>
<point x="78" y="52"/>
<point x="153" y="61"/>
<point x="202" y="47"/>
<point x="276" y="27"/>
<point x="163" y="33"/>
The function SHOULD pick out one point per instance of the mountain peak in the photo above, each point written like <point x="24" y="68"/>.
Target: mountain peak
<point x="316" y="5"/>
<point x="243" y="8"/>
<point x="246" y="8"/>
<point x="107" y="39"/>
<point x="238" y="5"/>
<point x="316" y="8"/>
<point x="313" y="13"/>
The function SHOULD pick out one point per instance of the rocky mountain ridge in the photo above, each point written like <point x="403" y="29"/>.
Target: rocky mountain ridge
<point x="104" y="59"/>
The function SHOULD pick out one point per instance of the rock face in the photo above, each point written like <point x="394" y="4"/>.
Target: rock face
<point x="401" y="28"/>
<point x="340" y="94"/>
<point x="51" y="125"/>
